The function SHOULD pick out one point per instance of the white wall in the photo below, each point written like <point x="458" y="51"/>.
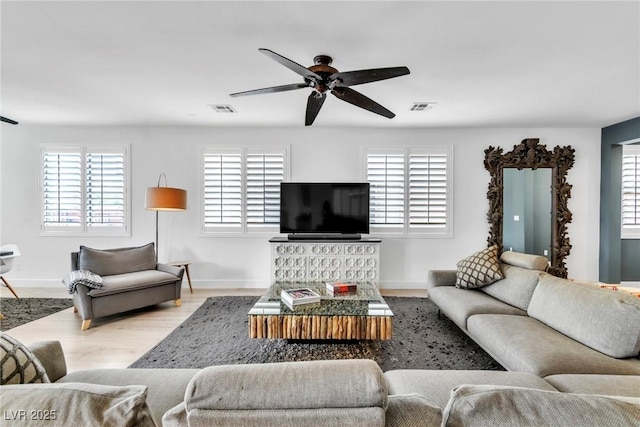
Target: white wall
<point x="316" y="154"/>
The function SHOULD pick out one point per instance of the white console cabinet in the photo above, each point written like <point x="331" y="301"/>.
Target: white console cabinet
<point x="325" y="260"/>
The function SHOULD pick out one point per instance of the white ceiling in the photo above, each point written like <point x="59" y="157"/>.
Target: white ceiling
<point x="497" y="64"/>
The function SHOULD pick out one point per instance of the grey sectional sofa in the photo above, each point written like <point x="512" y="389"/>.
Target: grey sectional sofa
<point x="131" y="279"/>
<point x="570" y="350"/>
<point x="534" y="322"/>
<point x="320" y="393"/>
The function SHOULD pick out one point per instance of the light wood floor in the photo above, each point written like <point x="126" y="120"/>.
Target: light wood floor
<point x="118" y="341"/>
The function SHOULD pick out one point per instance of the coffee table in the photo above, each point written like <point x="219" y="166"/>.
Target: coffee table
<point x="360" y="316"/>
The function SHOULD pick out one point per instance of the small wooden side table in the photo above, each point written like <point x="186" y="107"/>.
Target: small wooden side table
<point x="186" y="265"/>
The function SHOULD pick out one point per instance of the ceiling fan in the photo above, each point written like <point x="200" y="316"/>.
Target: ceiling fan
<point x="323" y="78"/>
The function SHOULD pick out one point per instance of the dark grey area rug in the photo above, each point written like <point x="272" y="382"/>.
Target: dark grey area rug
<point x="20" y="311"/>
<point x="216" y="334"/>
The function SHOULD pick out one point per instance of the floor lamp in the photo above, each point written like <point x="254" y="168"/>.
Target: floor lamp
<point x="164" y="199"/>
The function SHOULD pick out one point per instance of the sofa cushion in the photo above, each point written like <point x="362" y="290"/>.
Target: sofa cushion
<point x="603" y="320"/>
<point x="517" y="286"/>
<point x="316" y="384"/>
<point x="18" y="364"/>
<point x="459" y="304"/>
<point x="480" y="269"/>
<point x="117" y="261"/>
<point x="75" y="404"/>
<point x="339" y="392"/>
<point x="610" y="385"/>
<point x="524" y="344"/>
<point x="132" y="281"/>
<point x="436" y="385"/>
<point x="482" y="405"/>
<point x="412" y="410"/>
<point x="160" y="396"/>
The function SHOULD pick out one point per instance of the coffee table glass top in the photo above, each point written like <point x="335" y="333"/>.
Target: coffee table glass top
<point x="367" y="301"/>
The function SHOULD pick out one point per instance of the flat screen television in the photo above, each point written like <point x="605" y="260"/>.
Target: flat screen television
<point x="324" y="209"/>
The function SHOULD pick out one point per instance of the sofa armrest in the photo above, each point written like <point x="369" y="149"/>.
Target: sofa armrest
<point x="50" y="354"/>
<point x="441" y="278"/>
<point x="172" y="269"/>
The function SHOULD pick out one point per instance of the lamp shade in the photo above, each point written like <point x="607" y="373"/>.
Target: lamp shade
<point x="165" y="199"/>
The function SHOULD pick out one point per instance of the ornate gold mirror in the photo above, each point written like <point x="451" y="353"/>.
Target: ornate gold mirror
<point x="529" y="154"/>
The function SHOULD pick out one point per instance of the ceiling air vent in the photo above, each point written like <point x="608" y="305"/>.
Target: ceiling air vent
<point x="422" y="106"/>
<point x="223" y="108"/>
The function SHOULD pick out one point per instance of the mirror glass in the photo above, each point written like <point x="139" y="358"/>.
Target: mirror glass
<point x="527" y="207"/>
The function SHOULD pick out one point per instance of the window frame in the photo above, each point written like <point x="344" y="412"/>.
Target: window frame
<point x="406" y="229"/>
<point x="628" y="231"/>
<point x="244" y="228"/>
<point x="84" y="228"/>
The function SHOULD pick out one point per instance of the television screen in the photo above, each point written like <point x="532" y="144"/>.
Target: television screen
<point x="330" y="208"/>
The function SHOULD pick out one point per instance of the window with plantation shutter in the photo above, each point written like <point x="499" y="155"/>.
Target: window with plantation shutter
<point x="631" y="192"/>
<point x="84" y="191"/>
<point x="410" y="191"/>
<point x="242" y="189"/>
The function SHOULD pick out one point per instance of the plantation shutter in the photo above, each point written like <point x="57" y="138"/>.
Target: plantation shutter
<point x="62" y="189"/>
<point x="84" y="191"/>
<point x="105" y="189"/>
<point x="264" y="173"/>
<point x="631" y="191"/>
<point x="223" y="189"/>
<point x="428" y="190"/>
<point x="385" y="174"/>
<point x="410" y="190"/>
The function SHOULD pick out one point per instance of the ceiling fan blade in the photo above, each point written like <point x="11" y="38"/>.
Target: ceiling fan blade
<point x="293" y="66"/>
<point x="8" y="120"/>
<point x="352" y="78"/>
<point x="314" y="103"/>
<point x="273" y="89"/>
<point x="359" y="100"/>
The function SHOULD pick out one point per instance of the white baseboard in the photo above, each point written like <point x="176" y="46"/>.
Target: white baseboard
<point x="210" y="284"/>
<point x="241" y="284"/>
<point x="403" y="285"/>
<point x="630" y="284"/>
<point x="35" y="283"/>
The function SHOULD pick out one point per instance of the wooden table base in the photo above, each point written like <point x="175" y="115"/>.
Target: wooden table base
<point x="310" y="327"/>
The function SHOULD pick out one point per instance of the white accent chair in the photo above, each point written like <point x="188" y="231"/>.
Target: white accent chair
<point x="7" y="254"/>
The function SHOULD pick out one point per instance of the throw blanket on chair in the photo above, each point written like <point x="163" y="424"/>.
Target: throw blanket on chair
<point x="84" y="277"/>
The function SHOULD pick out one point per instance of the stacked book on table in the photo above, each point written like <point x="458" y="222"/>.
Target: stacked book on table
<point x="298" y="297"/>
<point x="341" y="288"/>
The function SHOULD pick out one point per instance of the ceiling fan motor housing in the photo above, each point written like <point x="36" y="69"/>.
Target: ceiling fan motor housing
<point x="324" y="69"/>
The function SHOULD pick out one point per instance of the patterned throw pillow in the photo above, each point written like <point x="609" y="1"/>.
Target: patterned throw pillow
<point x="83" y="277"/>
<point x="18" y="363"/>
<point x="480" y="269"/>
